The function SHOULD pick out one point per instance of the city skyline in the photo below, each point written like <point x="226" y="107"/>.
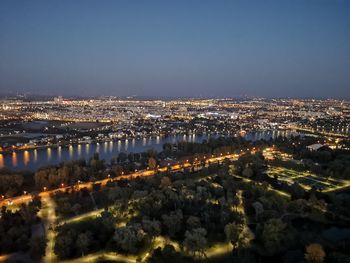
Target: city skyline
<point x="274" y="49"/>
<point x="175" y="131"/>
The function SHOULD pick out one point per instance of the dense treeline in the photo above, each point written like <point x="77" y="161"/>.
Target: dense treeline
<point x="11" y="184"/>
<point x="329" y="163"/>
<point x="14" y="183"/>
<point x="16" y="230"/>
<point x="211" y="146"/>
<point x="69" y="173"/>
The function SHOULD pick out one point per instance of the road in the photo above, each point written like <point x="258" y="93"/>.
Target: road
<point x="16" y="201"/>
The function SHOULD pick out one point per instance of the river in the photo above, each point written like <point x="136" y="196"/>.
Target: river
<point x="35" y="158"/>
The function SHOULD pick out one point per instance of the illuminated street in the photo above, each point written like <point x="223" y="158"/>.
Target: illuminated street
<point x="143" y="173"/>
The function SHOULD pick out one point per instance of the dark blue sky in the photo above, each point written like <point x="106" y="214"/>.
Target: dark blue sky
<point x="298" y="48"/>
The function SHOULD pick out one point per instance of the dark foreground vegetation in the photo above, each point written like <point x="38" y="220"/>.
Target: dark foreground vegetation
<point x="185" y="216"/>
<point x="16" y="231"/>
<point x="201" y="209"/>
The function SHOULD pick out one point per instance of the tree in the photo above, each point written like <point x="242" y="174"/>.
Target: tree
<point x="10" y="184"/>
<point x="152" y="163"/>
<point x="259" y="209"/>
<point x="41" y="179"/>
<point x="232" y="232"/>
<point x="107" y="219"/>
<point x="165" y="182"/>
<point x="122" y="157"/>
<point x="245" y="238"/>
<point x="297" y="191"/>
<point x="28" y="212"/>
<point x="128" y="238"/>
<point x="315" y="253"/>
<point x="236" y="201"/>
<point x="173" y="222"/>
<point x="118" y="170"/>
<point x="231" y="170"/>
<point x="63" y="245"/>
<point x="248" y="172"/>
<point x="195" y="241"/>
<point x="37" y="247"/>
<point x="193" y="222"/>
<point x="273" y="234"/>
<point x="76" y="208"/>
<point x="82" y="243"/>
<point x="152" y="227"/>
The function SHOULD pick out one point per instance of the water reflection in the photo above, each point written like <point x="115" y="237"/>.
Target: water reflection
<point x="126" y="144"/>
<point x="79" y="150"/>
<point x="14" y="159"/>
<point x="70" y="150"/>
<point x="105" y="145"/>
<point x="2" y="163"/>
<point x="26" y="158"/>
<point x="49" y="154"/>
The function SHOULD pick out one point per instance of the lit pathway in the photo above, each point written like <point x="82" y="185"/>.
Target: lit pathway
<point x="112" y="256"/>
<point x="87" y="215"/>
<point x="48" y="214"/>
<point x="218" y="249"/>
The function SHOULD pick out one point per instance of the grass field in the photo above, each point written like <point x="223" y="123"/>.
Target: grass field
<point x="306" y="179"/>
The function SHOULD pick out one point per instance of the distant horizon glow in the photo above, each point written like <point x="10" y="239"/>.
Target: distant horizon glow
<point x="170" y="49"/>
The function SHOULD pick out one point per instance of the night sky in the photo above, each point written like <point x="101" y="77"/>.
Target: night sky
<point x="177" y="48"/>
